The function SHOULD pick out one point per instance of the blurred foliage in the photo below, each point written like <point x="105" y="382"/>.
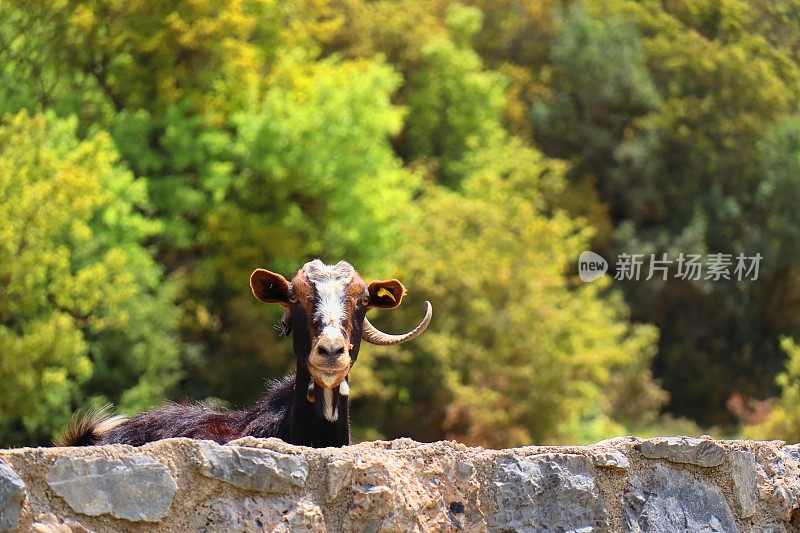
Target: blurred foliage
<point x="319" y="178"/>
<point x="665" y="107"/>
<point x="84" y="312"/>
<point x="152" y="155"/>
<point x="494" y="258"/>
<point x="783" y="421"/>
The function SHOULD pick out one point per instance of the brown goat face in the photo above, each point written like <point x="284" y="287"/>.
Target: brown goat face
<point x="325" y="306"/>
<point x="331" y="297"/>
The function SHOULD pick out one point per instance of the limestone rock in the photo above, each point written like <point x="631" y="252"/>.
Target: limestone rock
<point x="793" y="451"/>
<point x="700" y="452"/>
<point x="50" y="523"/>
<point x="253" y="468"/>
<point x="610" y="458"/>
<point x="373" y="509"/>
<point x="410" y="490"/>
<point x="12" y="494"/>
<point x="464" y="469"/>
<point x="272" y="443"/>
<point x="134" y="488"/>
<point x="778" y="475"/>
<point x="550" y="492"/>
<point x="619" y="442"/>
<point x="261" y="513"/>
<point x="338" y="474"/>
<point x="743" y="473"/>
<point x="670" y="500"/>
<point x="268" y="485"/>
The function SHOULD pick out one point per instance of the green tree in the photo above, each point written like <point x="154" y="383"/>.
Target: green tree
<point x="268" y="132"/>
<point x="175" y="84"/>
<point x="783" y="421"/>
<point x="518" y="352"/>
<point x="319" y="179"/>
<point x="507" y="360"/>
<point x="165" y="80"/>
<point x="664" y="108"/>
<point x="84" y="312"/>
<point x="455" y="105"/>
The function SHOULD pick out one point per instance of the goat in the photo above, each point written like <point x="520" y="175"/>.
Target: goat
<point x="325" y="312"/>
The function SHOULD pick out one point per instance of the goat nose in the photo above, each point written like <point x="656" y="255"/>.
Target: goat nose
<point x="331" y="347"/>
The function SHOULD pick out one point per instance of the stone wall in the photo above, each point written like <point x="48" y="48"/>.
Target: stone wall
<point x="624" y="484"/>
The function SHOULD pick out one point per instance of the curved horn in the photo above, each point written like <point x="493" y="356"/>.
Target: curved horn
<point x="375" y="336"/>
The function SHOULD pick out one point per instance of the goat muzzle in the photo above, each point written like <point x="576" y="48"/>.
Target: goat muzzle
<point x="328" y="377"/>
<point x="329" y="361"/>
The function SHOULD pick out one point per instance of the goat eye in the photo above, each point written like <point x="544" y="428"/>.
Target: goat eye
<point x="365" y="300"/>
<point x="292" y="299"/>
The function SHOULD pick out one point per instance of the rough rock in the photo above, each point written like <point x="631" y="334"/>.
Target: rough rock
<point x="619" y="442"/>
<point x="339" y="473"/>
<point x="793" y="451"/>
<point x="553" y="492"/>
<point x="743" y="474"/>
<point x="778" y="478"/>
<point x="12" y="494"/>
<point x="700" y="452"/>
<point x="50" y="523"/>
<point x="622" y="484"/>
<point x="372" y="510"/>
<point x="464" y="470"/>
<point x="260" y="513"/>
<point x="252" y="468"/>
<point x="133" y="488"/>
<point x="610" y="458"/>
<point x="410" y="490"/>
<point x="669" y="500"/>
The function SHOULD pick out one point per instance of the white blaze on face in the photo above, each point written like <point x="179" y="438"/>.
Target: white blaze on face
<point x="330" y="282"/>
<point x="330" y="303"/>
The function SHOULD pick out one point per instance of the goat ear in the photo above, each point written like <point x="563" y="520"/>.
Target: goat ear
<point x="269" y="287"/>
<point x="386" y="294"/>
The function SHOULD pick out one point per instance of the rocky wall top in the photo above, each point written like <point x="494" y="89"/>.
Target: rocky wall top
<point x="623" y="484"/>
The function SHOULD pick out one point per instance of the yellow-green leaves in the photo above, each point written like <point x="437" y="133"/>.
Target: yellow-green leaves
<point x="783" y="421"/>
<point x="73" y="275"/>
<point x="472" y="149"/>
<point x="516" y="353"/>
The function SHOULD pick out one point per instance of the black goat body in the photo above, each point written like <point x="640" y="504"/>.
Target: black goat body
<point x="325" y="309"/>
<point x="198" y="421"/>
